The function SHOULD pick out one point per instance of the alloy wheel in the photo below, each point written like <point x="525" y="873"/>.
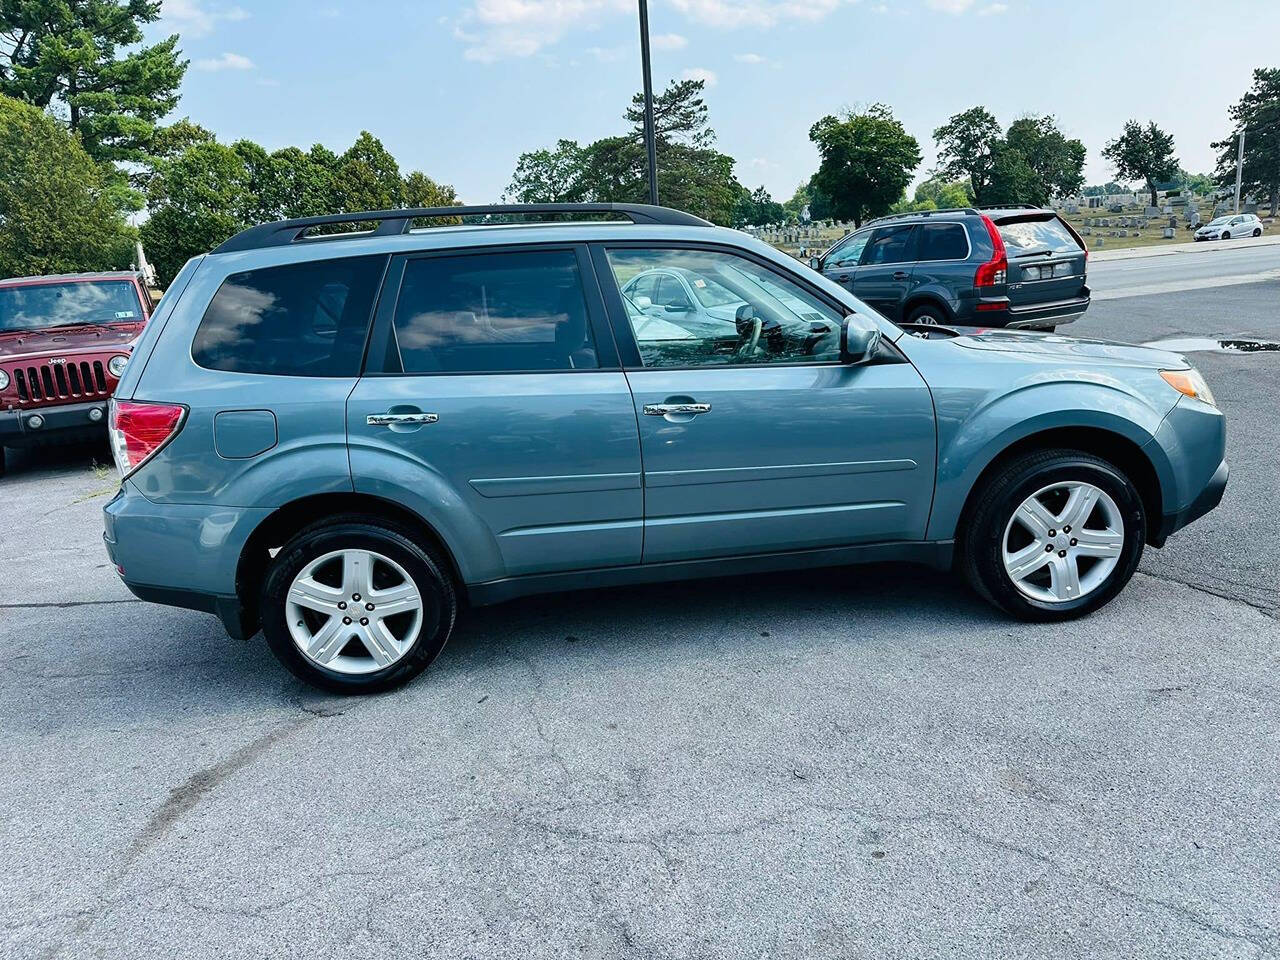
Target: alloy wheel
<point x="353" y="611"/>
<point x="1063" y="542"/>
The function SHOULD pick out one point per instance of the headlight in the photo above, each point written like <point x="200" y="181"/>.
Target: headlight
<point x="4" y="380"/>
<point x="1189" y="383"/>
<point x="116" y="365"/>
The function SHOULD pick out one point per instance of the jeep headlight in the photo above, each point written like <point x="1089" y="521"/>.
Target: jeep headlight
<point x="116" y="365"/>
<point x="1189" y="383"/>
<point x="4" y="380"/>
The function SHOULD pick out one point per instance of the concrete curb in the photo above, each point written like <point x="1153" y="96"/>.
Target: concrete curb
<point x="1207" y="246"/>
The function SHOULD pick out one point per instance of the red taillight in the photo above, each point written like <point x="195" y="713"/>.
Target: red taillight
<point x="996" y="270"/>
<point x="138" y="430"/>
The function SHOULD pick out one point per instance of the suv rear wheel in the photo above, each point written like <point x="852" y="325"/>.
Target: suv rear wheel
<point x="928" y="313"/>
<point x="356" y="605"/>
<point x="1055" y="535"/>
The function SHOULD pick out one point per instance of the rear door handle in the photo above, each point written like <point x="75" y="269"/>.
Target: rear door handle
<point x="662" y="409"/>
<point x="387" y="419"/>
<point x="901" y="275"/>
<point x="843" y="278"/>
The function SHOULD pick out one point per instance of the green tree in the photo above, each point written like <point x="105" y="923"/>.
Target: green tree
<point x="56" y="212"/>
<point x="549" y="176"/>
<point x="937" y="193"/>
<point x="692" y="174"/>
<point x="867" y="160"/>
<point x="68" y="56"/>
<point x="196" y="200"/>
<point x="795" y="207"/>
<point x="1143" y="153"/>
<point x="757" y="208"/>
<point x="1258" y="113"/>
<point x="1056" y="163"/>
<point x="967" y="144"/>
<point x="367" y="177"/>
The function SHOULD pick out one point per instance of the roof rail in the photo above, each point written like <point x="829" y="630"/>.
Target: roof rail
<point x="1011" y="206"/>
<point x="396" y="222"/>
<point x="922" y="213"/>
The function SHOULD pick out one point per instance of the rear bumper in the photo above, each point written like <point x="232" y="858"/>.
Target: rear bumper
<point x="999" y="312"/>
<point x="58" y="423"/>
<point x="181" y="555"/>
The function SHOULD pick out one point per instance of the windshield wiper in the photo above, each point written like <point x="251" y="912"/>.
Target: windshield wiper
<point x="1046" y="252"/>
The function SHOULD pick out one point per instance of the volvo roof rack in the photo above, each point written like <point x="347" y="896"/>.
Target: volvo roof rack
<point x="396" y="222"/>
<point x="921" y="213"/>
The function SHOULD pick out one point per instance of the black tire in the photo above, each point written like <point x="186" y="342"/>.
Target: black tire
<point x="428" y="572"/>
<point x="983" y="530"/>
<point x="928" y="313"/>
<point x="1257" y="231"/>
<point x="1224" y="236"/>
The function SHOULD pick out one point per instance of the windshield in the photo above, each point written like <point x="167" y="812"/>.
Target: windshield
<point x="711" y="293"/>
<point x="1221" y="221"/>
<point x="68" y="304"/>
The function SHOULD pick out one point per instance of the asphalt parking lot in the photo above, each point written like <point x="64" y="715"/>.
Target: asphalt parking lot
<point x="858" y="762"/>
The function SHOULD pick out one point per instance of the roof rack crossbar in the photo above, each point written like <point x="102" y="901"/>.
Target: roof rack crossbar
<point x="397" y="222"/>
<point x="922" y="213"/>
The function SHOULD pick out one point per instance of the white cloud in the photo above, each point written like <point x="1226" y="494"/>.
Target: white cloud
<point x="228" y="61"/>
<point x="951" y="6"/>
<point x="668" y="41"/>
<point x="701" y="73"/>
<point x="607" y="54"/>
<point x="748" y="58"/>
<point x="498" y="29"/>
<point x="756" y="13"/>
<point x="993" y="9"/>
<point x="191" y="19"/>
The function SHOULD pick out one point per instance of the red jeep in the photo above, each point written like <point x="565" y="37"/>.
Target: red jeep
<point x="64" y="342"/>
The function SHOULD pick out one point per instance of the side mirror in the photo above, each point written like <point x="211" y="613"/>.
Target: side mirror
<point x="643" y="303"/>
<point x="859" y="338"/>
<point x="816" y="263"/>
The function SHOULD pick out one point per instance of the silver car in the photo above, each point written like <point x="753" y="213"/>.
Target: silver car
<point x="1232" y="225"/>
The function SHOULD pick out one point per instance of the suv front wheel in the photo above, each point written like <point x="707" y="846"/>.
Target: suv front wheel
<point x="1055" y="535"/>
<point x="356" y="605"/>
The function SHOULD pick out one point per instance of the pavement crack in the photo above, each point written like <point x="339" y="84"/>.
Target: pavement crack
<point x="1268" y="611"/>
<point x="64" y="604"/>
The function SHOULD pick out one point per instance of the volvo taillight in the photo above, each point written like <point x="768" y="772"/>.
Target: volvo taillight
<point x="995" y="271"/>
<point x="138" y="430"/>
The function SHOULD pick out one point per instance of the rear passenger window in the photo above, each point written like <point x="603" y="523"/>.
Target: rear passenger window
<point x="491" y="312"/>
<point x="301" y="320"/>
<point x="943" y="241"/>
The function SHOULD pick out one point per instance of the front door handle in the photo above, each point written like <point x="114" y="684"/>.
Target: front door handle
<point x="387" y="419"/>
<point x="901" y="275"/>
<point x="663" y="409"/>
<point x="843" y="278"/>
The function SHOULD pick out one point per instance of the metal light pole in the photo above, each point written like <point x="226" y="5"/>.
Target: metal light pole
<point x="650" y="139"/>
<point x="1239" y="168"/>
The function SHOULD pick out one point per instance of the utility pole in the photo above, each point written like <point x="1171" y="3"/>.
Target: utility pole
<point x="1239" y="168"/>
<point x="650" y="139"/>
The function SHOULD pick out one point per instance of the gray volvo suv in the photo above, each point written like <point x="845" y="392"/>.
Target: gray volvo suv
<point x="1020" y="267"/>
<point x="345" y="438"/>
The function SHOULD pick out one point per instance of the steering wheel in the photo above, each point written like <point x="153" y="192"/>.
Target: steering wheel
<point x="749" y="328"/>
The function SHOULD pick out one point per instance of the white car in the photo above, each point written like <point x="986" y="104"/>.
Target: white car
<point x="1234" y="225"/>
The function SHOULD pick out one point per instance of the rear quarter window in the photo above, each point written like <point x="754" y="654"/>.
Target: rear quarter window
<point x="1021" y="236"/>
<point x="299" y="320"/>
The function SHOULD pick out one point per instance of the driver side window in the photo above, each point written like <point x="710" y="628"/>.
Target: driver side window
<point x="849" y="254"/>
<point x="742" y="313"/>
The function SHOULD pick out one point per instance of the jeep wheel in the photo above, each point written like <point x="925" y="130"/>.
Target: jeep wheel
<point x="1055" y="535"/>
<point x="355" y="605"/>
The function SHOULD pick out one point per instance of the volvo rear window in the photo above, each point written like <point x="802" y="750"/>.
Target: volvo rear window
<point x="301" y="320"/>
<point x="1024" y="236"/>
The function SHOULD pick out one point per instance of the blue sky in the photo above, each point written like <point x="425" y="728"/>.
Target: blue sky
<point x="459" y="88"/>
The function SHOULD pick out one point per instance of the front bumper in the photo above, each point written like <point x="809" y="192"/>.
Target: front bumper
<point x="1207" y="499"/>
<point x="58" y="423"/>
